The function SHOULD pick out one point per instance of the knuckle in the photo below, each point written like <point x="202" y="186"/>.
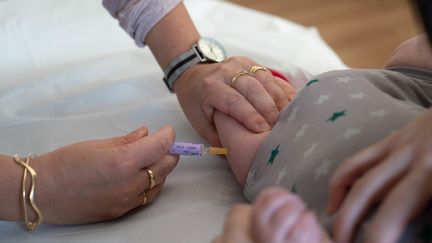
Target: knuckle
<point x="121" y="165"/>
<point x="245" y="59"/>
<point x="254" y="88"/>
<point x="234" y="59"/>
<point x="281" y="98"/>
<point x="266" y="79"/>
<point x="123" y="192"/>
<point x="235" y="100"/>
<point x="224" y="67"/>
<point x="272" y="110"/>
<point x="208" y="85"/>
<point x="162" y="145"/>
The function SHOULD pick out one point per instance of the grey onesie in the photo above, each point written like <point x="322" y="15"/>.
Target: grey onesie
<point x="335" y="115"/>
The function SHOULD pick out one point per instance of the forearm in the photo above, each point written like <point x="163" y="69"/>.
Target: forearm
<point x="10" y="187"/>
<point x="172" y="36"/>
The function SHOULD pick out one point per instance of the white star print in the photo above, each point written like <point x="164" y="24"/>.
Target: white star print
<point x="403" y="104"/>
<point x="323" y="169"/>
<point x="344" y="80"/>
<point x="310" y="150"/>
<point x="280" y="176"/>
<point x="302" y="131"/>
<point x="322" y="99"/>
<point x="251" y="177"/>
<point x="378" y="113"/>
<point x="359" y="96"/>
<point x="293" y="114"/>
<point x="351" y="132"/>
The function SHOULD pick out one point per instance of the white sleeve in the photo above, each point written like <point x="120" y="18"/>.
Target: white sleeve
<point x="138" y="17"/>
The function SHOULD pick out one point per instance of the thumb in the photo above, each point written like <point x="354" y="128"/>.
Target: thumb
<point x="150" y="149"/>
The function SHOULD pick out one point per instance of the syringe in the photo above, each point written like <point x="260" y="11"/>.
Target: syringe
<point x="195" y="149"/>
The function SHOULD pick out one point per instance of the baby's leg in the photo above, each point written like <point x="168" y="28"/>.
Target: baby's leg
<point x="241" y="143"/>
<point x="334" y="116"/>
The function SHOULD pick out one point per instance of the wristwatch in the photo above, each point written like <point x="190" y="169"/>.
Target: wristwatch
<point x="206" y="50"/>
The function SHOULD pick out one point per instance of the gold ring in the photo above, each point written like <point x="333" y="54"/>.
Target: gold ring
<point x="238" y="75"/>
<point x="255" y="69"/>
<point x="152" y="178"/>
<point x="144" y="199"/>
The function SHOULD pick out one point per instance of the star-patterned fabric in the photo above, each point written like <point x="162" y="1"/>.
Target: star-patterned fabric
<point x="335" y="115"/>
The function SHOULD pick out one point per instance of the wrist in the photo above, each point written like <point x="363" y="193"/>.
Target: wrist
<point x="187" y="75"/>
<point x="10" y="187"/>
<point x="45" y="186"/>
<point x="172" y="36"/>
<point x="11" y="176"/>
<point x="206" y="50"/>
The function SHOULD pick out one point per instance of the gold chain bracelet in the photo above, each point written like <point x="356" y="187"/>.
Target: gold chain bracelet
<point x="30" y="225"/>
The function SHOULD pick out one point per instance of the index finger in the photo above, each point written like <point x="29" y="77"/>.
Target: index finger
<point x="351" y="169"/>
<point x="403" y="203"/>
<point x="229" y="101"/>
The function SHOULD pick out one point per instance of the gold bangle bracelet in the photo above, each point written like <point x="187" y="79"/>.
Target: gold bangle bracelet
<point x="30" y="225"/>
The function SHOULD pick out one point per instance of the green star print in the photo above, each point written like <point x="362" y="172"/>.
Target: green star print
<point x="294" y="189"/>
<point x="337" y="115"/>
<point x="273" y="155"/>
<point x="312" y="82"/>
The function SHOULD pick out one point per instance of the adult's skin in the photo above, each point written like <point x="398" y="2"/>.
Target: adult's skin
<point x="276" y="216"/>
<point x="100" y="180"/>
<point x="90" y="181"/>
<point x="204" y="88"/>
<point x="395" y="172"/>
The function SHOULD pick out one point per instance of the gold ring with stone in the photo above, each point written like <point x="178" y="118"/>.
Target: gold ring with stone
<point x="256" y="68"/>
<point x="152" y="179"/>
<point x="238" y="75"/>
<point x="144" y="199"/>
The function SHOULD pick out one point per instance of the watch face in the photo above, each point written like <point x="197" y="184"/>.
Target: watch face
<point x="211" y="49"/>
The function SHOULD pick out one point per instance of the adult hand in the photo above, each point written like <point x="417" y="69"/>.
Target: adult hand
<point x="395" y="172"/>
<point x="104" y="179"/>
<point x="254" y="101"/>
<point x="277" y="216"/>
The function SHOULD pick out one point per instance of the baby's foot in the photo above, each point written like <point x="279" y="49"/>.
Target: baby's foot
<point x="281" y="217"/>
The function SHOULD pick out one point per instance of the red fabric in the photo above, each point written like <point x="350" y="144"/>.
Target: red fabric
<point x="278" y="74"/>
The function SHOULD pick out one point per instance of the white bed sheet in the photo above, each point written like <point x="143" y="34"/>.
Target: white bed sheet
<point x="68" y="73"/>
